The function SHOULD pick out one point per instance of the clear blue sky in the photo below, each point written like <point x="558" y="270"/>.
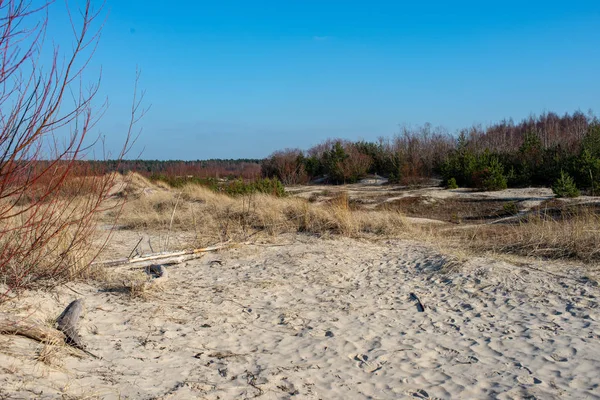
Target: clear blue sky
<point x="237" y="79"/>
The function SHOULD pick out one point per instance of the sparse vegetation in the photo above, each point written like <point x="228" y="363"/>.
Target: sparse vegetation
<point x="244" y="168"/>
<point x="449" y="210"/>
<point x="511" y="208"/>
<point x="554" y="230"/>
<point x="233" y="187"/>
<point x="570" y="235"/>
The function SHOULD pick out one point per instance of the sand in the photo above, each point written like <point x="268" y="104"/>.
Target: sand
<point x="317" y="318"/>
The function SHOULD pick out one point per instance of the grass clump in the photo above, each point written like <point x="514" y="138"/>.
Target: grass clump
<point x="566" y="233"/>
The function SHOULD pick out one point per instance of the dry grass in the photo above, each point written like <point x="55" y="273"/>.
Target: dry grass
<point x="134" y="283"/>
<point x="556" y="230"/>
<point x="216" y="217"/>
<point x="575" y="236"/>
<point x="50" y="354"/>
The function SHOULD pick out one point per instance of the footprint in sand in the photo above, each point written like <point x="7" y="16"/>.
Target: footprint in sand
<point x="456" y="356"/>
<point x="420" y="394"/>
<point x="508" y="331"/>
<point x="451" y="323"/>
<point x="447" y="353"/>
<point x="365" y="364"/>
<point x="467" y="360"/>
<point x="528" y="380"/>
<point x="558" y="358"/>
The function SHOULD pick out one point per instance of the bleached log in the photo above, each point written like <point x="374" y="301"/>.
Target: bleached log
<point x="159" y="256"/>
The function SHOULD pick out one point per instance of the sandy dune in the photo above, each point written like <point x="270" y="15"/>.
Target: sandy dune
<point x="328" y="319"/>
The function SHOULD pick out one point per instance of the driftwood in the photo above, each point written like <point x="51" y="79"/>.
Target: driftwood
<point x="30" y="327"/>
<point x="67" y="323"/>
<point x="159" y="256"/>
<point x="66" y="327"/>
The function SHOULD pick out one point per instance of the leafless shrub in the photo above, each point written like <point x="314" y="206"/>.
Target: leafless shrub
<point x="49" y="198"/>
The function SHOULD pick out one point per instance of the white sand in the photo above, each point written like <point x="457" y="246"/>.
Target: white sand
<point x="328" y="319"/>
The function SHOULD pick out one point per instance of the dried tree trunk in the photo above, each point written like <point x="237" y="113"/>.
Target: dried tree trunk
<point x="30" y="327"/>
<point x="66" y="327"/>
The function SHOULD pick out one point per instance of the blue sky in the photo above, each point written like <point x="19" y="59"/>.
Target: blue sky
<point x="237" y="79"/>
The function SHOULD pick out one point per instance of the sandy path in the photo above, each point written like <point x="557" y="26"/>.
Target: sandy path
<point x="333" y="319"/>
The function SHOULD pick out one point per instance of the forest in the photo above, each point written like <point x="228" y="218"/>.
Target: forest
<point x="548" y="150"/>
<point x="545" y="150"/>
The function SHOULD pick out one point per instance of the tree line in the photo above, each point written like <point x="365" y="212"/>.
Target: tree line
<point x="244" y="168"/>
<point x="537" y="151"/>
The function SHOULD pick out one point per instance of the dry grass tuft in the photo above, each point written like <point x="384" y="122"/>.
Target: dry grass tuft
<point x="133" y="283"/>
<point x="571" y="234"/>
<point x="568" y="236"/>
<point x="217" y="217"/>
<point x="50" y="354"/>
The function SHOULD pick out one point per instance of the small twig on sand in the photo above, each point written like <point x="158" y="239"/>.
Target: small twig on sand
<point x="420" y="306"/>
<point x="150" y="245"/>
<point x="269" y="244"/>
<point x="72" y="290"/>
<point x="136" y="246"/>
<point x="251" y="380"/>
